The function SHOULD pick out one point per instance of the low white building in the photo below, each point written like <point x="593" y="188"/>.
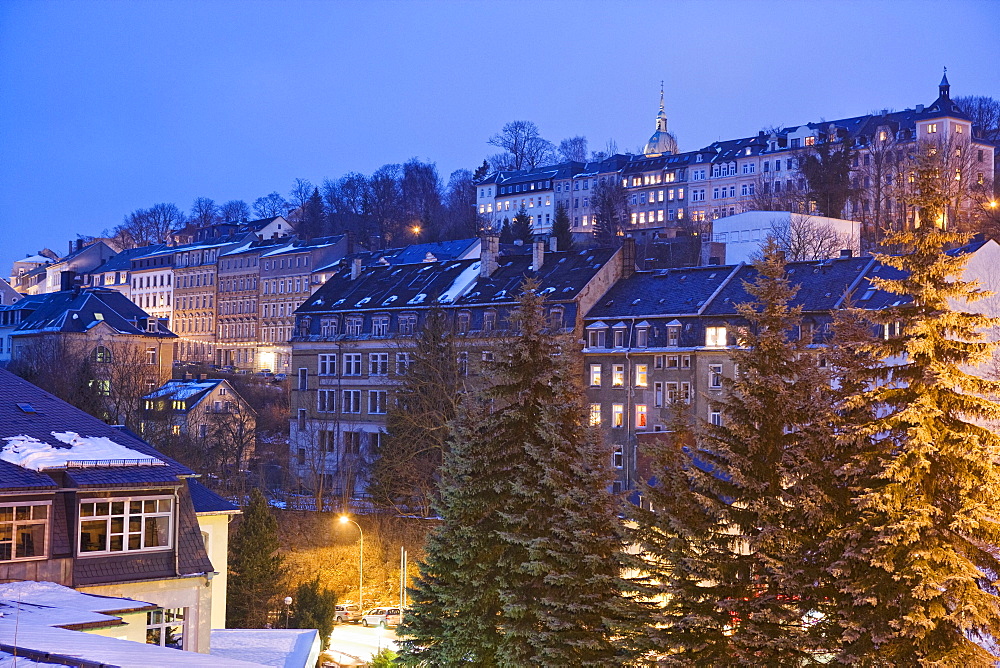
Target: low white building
<point x="804" y="237"/>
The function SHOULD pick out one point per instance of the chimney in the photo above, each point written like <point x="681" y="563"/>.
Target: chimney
<point x="355" y="268"/>
<point x="66" y="279"/>
<point x="920" y="108"/>
<point x="202" y="376"/>
<point x="553" y="244"/>
<point x="537" y="255"/>
<point x="70" y="247"/>
<point x="628" y="257"/>
<point x="780" y="255"/>
<point x="186" y="376"/>
<point x="488" y="255"/>
<point x="846" y="253"/>
<point x="79" y="244"/>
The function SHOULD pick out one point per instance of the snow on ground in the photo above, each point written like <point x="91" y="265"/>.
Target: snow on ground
<point x="30" y="453"/>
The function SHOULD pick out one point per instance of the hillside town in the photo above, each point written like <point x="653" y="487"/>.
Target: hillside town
<point x="674" y="406"/>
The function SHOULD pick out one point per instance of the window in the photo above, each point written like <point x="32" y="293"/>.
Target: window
<point x="380" y="325"/>
<point x="595" y="375"/>
<point x="353" y="325"/>
<point x="657" y="361"/>
<point x="151" y="355"/>
<point x="378" y="364"/>
<point x="685" y="361"/>
<point x="715" y="337"/>
<point x="303" y="379"/>
<point x="932" y="128"/>
<point x="352" y="364"/>
<point x="618" y="458"/>
<point x="462" y="322"/>
<point x="101" y="355"/>
<point x="716" y="418"/>
<point x="673" y="361"/>
<point x="617" y="415"/>
<point x="657" y="395"/>
<point x="377" y="401"/>
<point x="23" y="531"/>
<point x="328" y="365"/>
<point x="685" y="393"/>
<point x="618" y="375"/>
<point x="125" y="524"/>
<point x="352" y="442"/>
<point x="301" y="419"/>
<point x="715" y="376"/>
<point x="403" y="361"/>
<point x="326" y="401"/>
<point x="641" y="375"/>
<point x="619" y="338"/>
<point x="352" y="401"/>
<point x="595" y="415"/>
<point x="165" y="627"/>
<point x="673" y="336"/>
<point x="671" y="393"/>
<point x="463" y="363"/>
<point x="596" y="338"/>
<point x="101" y="387"/>
<point x="489" y="321"/>
<point x="407" y="323"/>
<point x="641" y="337"/>
<point x="640" y="416"/>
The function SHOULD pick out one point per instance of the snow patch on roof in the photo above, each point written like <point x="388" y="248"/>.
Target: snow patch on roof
<point x="418" y="299"/>
<point x="461" y="283"/>
<point x="30" y="453"/>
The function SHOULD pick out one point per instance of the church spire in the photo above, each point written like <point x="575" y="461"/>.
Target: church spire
<point x="944" y="88"/>
<point x="661" y="118"/>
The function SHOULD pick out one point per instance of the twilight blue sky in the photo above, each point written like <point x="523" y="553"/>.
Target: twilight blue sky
<point x="112" y="106"/>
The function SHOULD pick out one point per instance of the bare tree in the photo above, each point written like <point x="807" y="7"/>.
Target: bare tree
<point x="421" y="190"/>
<point x="143" y="227"/>
<point x="385" y="204"/>
<point x="610" y="149"/>
<point x="298" y="197"/>
<point x="523" y="147"/>
<point x="231" y="445"/>
<point x="772" y="194"/>
<point x="461" y="220"/>
<point x="270" y="206"/>
<point x="573" y="149"/>
<point x="985" y="114"/>
<point x="611" y="211"/>
<point x="235" y="210"/>
<point x="204" y="212"/>
<point x="806" y="238"/>
<point x="346" y="201"/>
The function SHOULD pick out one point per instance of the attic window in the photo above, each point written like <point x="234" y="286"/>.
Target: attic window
<point x="868" y="295"/>
<point x="27" y="408"/>
<point x="98" y="316"/>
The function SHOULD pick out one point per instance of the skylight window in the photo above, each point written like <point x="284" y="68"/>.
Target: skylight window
<point x="868" y="295"/>
<point x="27" y="408"/>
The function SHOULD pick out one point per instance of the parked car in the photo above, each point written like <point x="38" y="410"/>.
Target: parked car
<point x="348" y="613"/>
<point x="278" y="377"/>
<point x="381" y="617"/>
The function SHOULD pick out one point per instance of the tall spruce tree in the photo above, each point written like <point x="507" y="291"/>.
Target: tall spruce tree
<point x="256" y="577"/>
<point x="526" y="568"/>
<point x="561" y="228"/>
<point x="736" y="518"/>
<point x="919" y="575"/>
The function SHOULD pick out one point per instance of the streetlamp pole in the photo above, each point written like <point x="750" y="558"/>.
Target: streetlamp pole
<point x="344" y="519"/>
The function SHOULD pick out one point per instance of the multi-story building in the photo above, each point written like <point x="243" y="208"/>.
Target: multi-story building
<point x="114" y="273"/>
<point x="286" y="281"/>
<point x="354" y="336"/>
<point x="151" y="283"/>
<point x="670" y="191"/>
<point x="197" y="406"/>
<point x="666" y="336"/>
<point x="238" y="329"/>
<point x="8" y="295"/>
<point x="196" y="294"/>
<point x="27" y="275"/>
<point x="81" y="259"/>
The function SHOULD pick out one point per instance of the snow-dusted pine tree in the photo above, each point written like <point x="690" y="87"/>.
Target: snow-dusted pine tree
<point x="922" y="561"/>
<point x="730" y="542"/>
<point x="526" y="569"/>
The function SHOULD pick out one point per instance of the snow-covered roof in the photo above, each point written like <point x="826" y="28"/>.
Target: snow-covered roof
<point x="282" y="648"/>
<point x="30" y="453"/>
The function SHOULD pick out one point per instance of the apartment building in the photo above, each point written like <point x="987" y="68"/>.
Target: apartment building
<point x="151" y="278"/>
<point x="671" y="192"/>
<point x="287" y="279"/>
<point x="353" y="339"/>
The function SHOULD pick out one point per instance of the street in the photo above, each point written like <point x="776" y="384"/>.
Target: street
<point x="354" y="640"/>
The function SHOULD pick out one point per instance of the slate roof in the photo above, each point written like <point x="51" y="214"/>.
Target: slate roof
<point x="207" y="501"/>
<point x="303" y="245"/>
<point x="191" y="391"/>
<point x="76" y="311"/>
<point x="441" y="250"/>
<point x="51" y="414"/>
<point x="123" y="261"/>
<point x="662" y="292"/>
<point x="563" y="275"/>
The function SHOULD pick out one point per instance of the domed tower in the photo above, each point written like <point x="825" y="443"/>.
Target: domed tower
<point x="662" y="142"/>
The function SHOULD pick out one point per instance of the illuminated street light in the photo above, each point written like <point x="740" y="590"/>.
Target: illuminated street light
<point x="415" y="229"/>
<point x="344" y="519"/>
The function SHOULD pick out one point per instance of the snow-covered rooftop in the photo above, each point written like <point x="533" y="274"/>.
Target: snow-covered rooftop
<point x="31" y="453"/>
<point x="282" y="648"/>
<point x="460" y="284"/>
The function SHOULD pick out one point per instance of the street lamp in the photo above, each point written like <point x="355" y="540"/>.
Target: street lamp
<point x="344" y="519"/>
<point x="288" y="609"/>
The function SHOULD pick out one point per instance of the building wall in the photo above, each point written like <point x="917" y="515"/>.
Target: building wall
<point x="215" y="531"/>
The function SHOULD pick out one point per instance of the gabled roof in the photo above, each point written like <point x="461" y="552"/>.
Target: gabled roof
<point x="81" y="310"/>
<point x="662" y="292"/>
<point x="439" y="250"/>
<point x="123" y="261"/>
<point x="28" y="413"/>
<point x="208" y="502"/>
<point x="304" y="245"/>
<point x="190" y="391"/>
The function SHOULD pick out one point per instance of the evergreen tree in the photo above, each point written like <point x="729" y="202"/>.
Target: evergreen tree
<point x="404" y="474"/>
<point x="611" y="212"/>
<point x="828" y="172"/>
<point x="737" y="515"/>
<point x="315" y="607"/>
<point x="561" y="228"/>
<point x="526" y="567"/>
<point x="520" y="227"/>
<point x="506" y="235"/>
<point x="919" y="575"/>
<point x="255" y="567"/>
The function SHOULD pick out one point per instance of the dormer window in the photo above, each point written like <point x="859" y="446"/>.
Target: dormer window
<point x="24" y="530"/>
<point x="596" y="338"/>
<point x="673" y="336"/>
<point x="380" y="325"/>
<point x="641" y="337"/>
<point x="462" y="322"/>
<point x="619" y="337"/>
<point x="715" y="337"/>
<point x="130" y="524"/>
<point x="353" y="325"/>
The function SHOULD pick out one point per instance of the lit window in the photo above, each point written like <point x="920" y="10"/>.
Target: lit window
<point x="715" y="337"/>
<point x="932" y="128"/>
<point x="640" y="416"/>
<point x="595" y="414"/>
<point x="959" y="129"/>
<point x="23" y="531"/>
<point x="617" y="415"/>
<point x="641" y="375"/>
<point x="125" y="525"/>
<point x="595" y="375"/>
<point x="618" y="375"/>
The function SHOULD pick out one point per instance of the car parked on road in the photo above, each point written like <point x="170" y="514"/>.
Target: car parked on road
<point x="381" y="617"/>
<point x="348" y="612"/>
